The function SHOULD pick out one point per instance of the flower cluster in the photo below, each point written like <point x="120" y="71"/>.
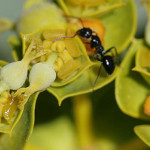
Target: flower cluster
<point x="45" y="60"/>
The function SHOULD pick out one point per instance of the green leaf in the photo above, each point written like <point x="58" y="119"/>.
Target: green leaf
<point x="142" y="131"/>
<point x="84" y="10"/>
<point x="119" y="33"/>
<point x="83" y="84"/>
<point x="142" y="62"/>
<point x="131" y="89"/>
<point x="22" y="127"/>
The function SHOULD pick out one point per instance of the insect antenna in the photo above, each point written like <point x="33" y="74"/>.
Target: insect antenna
<point x="65" y="37"/>
<point x="74" y="34"/>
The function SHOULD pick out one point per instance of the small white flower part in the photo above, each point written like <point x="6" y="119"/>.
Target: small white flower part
<point x="13" y="75"/>
<point x="41" y="76"/>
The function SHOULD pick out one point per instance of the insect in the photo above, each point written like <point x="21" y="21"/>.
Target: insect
<point x="95" y="43"/>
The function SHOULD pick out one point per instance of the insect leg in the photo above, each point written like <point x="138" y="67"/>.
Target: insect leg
<point x="99" y="71"/>
<point x="105" y="52"/>
<point x="117" y="60"/>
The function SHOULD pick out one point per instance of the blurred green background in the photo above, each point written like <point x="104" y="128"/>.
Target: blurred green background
<point x="10" y="9"/>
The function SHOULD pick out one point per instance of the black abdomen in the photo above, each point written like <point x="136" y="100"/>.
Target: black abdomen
<point x="108" y="64"/>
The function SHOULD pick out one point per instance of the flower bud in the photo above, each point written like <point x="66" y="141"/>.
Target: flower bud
<point x="13" y="75"/>
<point x="39" y="16"/>
<point x="41" y="76"/>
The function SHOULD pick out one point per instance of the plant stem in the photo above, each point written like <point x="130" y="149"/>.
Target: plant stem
<point x="83" y="119"/>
